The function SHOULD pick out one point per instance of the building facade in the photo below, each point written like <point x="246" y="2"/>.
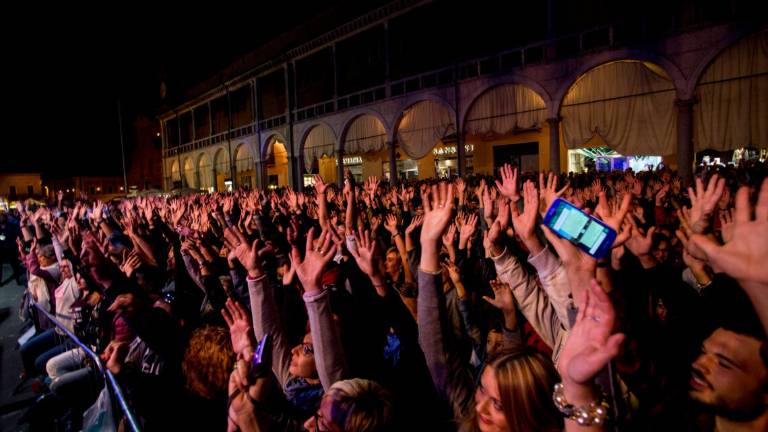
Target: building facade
<point x="20" y="186"/>
<point x="375" y="95"/>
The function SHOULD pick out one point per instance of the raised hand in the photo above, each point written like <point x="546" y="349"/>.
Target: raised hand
<point x="639" y="243"/>
<point x="310" y="268"/>
<point x="499" y="227"/>
<point x="742" y="257"/>
<point x="366" y="253"/>
<point x="246" y="252"/>
<point x="415" y="223"/>
<point x="703" y="202"/>
<point x="726" y="225"/>
<point x="525" y="223"/>
<point x="468" y="229"/>
<point x="508" y="184"/>
<point x="549" y="192"/>
<point x="239" y="323"/>
<point x="391" y="224"/>
<point x="320" y="185"/>
<point x="661" y="194"/>
<point x="591" y="344"/>
<point x="613" y="216"/>
<point x="502" y="297"/>
<point x="461" y="186"/>
<point x="450" y="236"/>
<point x="438" y="206"/>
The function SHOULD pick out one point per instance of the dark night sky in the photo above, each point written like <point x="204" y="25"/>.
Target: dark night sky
<point x="64" y="73"/>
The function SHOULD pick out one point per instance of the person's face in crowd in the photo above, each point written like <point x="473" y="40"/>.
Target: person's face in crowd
<point x="303" y="359"/>
<point x="392" y="263"/>
<point x="661" y="252"/>
<point x="321" y="421"/>
<point x="730" y="376"/>
<point x="493" y="343"/>
<point x="490" y="413"/>
<point x="661" y="311"/>
<point x="66" y="269"/>
<point x="341" y="230"/>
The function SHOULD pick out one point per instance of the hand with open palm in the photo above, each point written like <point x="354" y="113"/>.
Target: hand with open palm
<point x="590" y="346"/>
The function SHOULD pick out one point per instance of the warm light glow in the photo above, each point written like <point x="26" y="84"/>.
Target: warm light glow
<point x="121" y="188"/>
<point x="158" y="134"/>
<point x="98" y="189"/>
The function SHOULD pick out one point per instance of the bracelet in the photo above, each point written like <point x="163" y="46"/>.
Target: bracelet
<point x="593" y="413"/>
<point x="396" y="234"/>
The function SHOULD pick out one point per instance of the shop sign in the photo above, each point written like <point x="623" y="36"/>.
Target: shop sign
<point x="352" y="160"/>
<point x="451" y="150"/>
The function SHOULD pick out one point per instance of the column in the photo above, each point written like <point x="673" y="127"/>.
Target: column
<point x="685" y="139"/>
<point x="340" y="168"/>
<point x="554" y="144"/>
<point x="392" y="163"/>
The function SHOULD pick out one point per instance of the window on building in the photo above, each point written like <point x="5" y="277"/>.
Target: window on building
<point x="30" y="190"/>
<point x="12" y="192"/>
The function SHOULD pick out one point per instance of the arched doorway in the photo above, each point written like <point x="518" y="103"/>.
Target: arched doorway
<point x="276" y="162"/>
<point x="222" y="174"/>
<point x="205" y="173"/>
<point x="504" y="125"/>
<point x="175" y="182"/>
<point x="424" y="126"/>
<point x="244" y="167"/>
<point x="364" y="141"/>
<point x="319" y="152"/>
<point x="620" y="115"/>
<point x="730" y="116"/>
<point x="190" y="173"/>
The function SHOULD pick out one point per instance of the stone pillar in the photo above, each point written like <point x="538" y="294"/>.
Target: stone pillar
<point x="340" y="168"/>
<point x="392" y="163"/>
<point x="554" y="144"/>
<point x="685" y="152"/>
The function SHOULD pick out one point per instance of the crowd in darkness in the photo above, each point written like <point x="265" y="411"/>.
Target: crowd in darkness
<point x="422" y="305"/>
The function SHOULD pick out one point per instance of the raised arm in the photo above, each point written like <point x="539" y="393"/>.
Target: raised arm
<point x="329" y="353"/>
<point x="266" y="319"/>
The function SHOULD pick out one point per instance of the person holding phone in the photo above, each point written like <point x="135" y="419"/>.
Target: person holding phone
<point x="514" y="390"/>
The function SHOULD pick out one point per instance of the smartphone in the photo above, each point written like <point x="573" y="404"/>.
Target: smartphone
<point x="588" y="233"/>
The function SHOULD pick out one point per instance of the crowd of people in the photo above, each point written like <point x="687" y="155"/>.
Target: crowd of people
<point x="426" y="305"/>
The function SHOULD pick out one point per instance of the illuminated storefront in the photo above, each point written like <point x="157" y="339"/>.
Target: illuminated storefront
<point x="605" y="159"/>
<point x="447" y="160"/>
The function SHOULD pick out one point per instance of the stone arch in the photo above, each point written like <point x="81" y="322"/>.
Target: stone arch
<point x="190" y="173"/>
<point x="204" y="172"/>
<point x="346" y="123"/>
<point x="317" y="141"/>
<point x="731" y="97"/>
<point x="719" y="48"/>
<point x="417" y="139"/>
<point x="670" y="68"/>
<point x="367" y="141"/>
<point x="530" y="100"/>
<point x="513" y="79"/>
<point x="627" y="104"/>
<point x="269" y="140"/>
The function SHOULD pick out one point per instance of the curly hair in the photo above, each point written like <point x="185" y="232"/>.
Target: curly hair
<point x="208" y="361"/>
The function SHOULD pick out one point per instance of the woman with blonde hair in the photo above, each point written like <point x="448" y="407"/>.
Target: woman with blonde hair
<point x="515" y="392"/>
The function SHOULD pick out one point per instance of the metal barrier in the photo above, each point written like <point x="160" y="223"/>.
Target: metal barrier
<point x="108" y="376"/>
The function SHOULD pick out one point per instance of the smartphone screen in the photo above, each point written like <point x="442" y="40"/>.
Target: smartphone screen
<point x="588" y="233"/>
